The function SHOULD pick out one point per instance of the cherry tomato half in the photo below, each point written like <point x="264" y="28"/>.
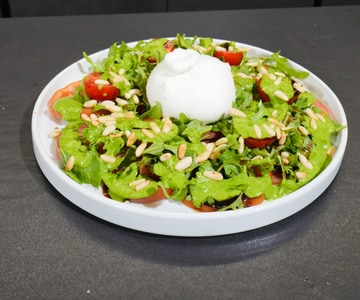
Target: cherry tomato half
<point x="253" y="201"/>
<point x="157" y="196"/>
<point x="259" y="143"/>
<point x="98" y="89"/>
<point x="168" y="46"/>
<point x="264" y="97"/>
<point x="231" y="57"/>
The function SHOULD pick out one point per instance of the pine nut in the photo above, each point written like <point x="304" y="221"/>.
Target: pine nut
<point x="305" y="162"/>
<point x="206" y="154"/>
<point x="320" y="117"/>
<point x="108" y="130"/>
<point x="107" y="158"/>
<point x="285" y="154"/>
<point x="140" y="149"/>
<point x="280" y="74"/>
<point x="117" y="115"/>
<point x="219" y="48"/>
<point x="154" y="127"/>
<point x="121" y="102"/>
<point x="136" y="99"/>
<point x="281" y="95"/>
<point x="101" y="82"/>
<point x="131" y="139"/>
<point x="278" y="81"/>
<point x="303" y="130"/>
<point x="106" y="119"/>
<point x="112" y="107"/>
<point x="70" y="163"/>
<point x="54" y="133"/>
<point x="184" y="163"/>
<point x="263" y="70"/>
<point x="269" y="130"/>
<point x="221" y="141"/>
<point x="213" y="175"/>
<point x="148" y="133"/>
<point x="85" y="117"/>
<point x="313" y="124"/>
<point x="182" y="151"/>
<point x="300" y="175"/>
<point x="271" y="76"/>
<point x="243" y="75"/>
<point x="310" y="113"/>
<point x="297" y="86"/>
<point x="241" y="145"/>
<point x="137" y="182"/>
<point x="142" y="185"/>
<point x="129" y="115"/>
<point x="282" y="138"/>
<point x="165" y="156"/>
<point x="257" y="131"/>
<point x="234" y="112"/>
<point x="167" y="126"/>
<point x="276" y="122"/>
<point x="331" y="151"/>
<point x="90" y="103"/>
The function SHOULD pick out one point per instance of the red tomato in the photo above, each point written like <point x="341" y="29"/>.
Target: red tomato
<point x="157" y="196"/>
<point x="253" y="201"/>
<point x="259" y="143"/>
<point x="264" y="97"/>
<point x="203" y="208"/>
<point x="276" y="178"/>
<point x="168" y="46"/>
<point x="98" y="90"/>
<point x="322" y="106"/>
<point x="66" y="91"/>
<point x="89" y="110"/>
<point x="231" y="57"/>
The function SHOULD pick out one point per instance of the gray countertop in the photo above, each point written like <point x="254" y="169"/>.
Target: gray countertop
<point x="50" y="249"/>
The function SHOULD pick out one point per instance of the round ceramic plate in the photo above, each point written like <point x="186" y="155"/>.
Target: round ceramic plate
<point x="168" y="217"/>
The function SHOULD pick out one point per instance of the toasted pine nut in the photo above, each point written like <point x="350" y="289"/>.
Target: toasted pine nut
<point x="154" y="127"/>
<point x="140" y="149"/>
<point x="303" y="130"/>
<point x="137" y="182"/>
<point x="148" y="133"/>
<point x="142" y="185"/>
<point x="221" y="141"/>
<point x="165" y="156"/>
<point x="108" y="130"/>
<point x="300" y="175"/>
<point x="331" y="151"/>
<point x="131" y="139"/>
<point x="213" y="175"/>
<point x="182" y="151"/>
<point x="90" y="103"/>
<point x="167" y="126"/>
<point x="70" y="163"/>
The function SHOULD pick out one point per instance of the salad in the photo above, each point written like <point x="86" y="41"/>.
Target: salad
<point x="274" y="139"/>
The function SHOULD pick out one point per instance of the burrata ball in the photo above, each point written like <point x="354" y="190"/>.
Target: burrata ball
<point x="197" y="85"/>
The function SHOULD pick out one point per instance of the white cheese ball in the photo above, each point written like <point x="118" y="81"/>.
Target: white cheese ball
<point x="198" y="85"/>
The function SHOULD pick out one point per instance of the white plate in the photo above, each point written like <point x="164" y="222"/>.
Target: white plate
<point x="168" y="217"/>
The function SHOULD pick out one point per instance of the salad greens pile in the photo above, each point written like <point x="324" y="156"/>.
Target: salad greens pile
<point x="274" y="140"/>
